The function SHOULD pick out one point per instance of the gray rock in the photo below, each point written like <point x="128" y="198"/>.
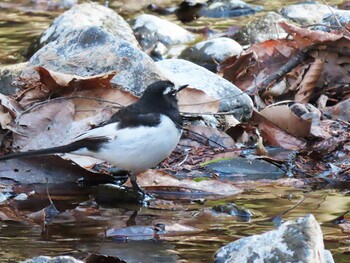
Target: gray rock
<point x="305" y="13"/>
<point x="228" y="8"/>
<point x="151" y="30"/>
<point x="212" y="51"/>
<point x="185" y="72"/>
<point x="262" y="29"/>
<point x="294" y="241"/>
<point x="86" y="14"/>
<point x="331" y="19"/>
<point x="45" y="259"/>
<point x="8" y="74"/>
<point x="91" y="50"/>
<point x="251" y="170"/>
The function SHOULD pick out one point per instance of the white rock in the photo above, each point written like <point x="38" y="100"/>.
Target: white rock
<point x="164" y="31"/>
<point x="217" y="49"/>
<point x="305" y="13"/>
<point x="293" y="241"/>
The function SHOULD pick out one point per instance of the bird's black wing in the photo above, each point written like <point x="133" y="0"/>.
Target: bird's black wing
<point x="137" y="120"/>
<point x="134" y="116"/>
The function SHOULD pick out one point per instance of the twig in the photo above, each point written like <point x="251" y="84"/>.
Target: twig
<point x="38" y="104"/>
<point x="297" y="204"/>
<point x="198" y="114"/>
<point x="205" y="137"/>
<point x="335" y="17"/>
<point x="284" y="69"/>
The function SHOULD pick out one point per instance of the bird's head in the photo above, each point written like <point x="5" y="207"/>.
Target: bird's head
<point x="162" y="93"/>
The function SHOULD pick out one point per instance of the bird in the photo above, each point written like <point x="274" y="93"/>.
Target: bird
<point x="136" y="138"/>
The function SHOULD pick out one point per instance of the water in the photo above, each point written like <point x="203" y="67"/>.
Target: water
<point x="80" y="229"/>
<point x="78" y="232"/>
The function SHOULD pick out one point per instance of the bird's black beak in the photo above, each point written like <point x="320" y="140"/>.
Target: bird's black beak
<point x="182" y="87"/>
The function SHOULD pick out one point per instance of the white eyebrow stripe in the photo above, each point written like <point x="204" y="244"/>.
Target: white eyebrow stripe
<point x="168" y="90"/>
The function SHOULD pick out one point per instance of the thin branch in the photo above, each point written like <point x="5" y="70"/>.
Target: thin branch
<point x="331" y="10"/>
<point x="297" y="204"/>
<point x="205" y="137"/>
<point x="38" y="104"/>
<point x="279" y="74"/>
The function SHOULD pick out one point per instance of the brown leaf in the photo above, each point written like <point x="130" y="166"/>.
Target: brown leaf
<point x="157" y="180"/>
<point x="309" y="36"/>
<point x="193" y="100"/>
<point x="79" y="104"/>
<point x="309" y="82"/>
<point x="55" y="83"/>
<point x="37" y="218"/>
<point x="10" y="214"/>
<point x="258" y="62"/>
<point x="285" y="119"/>
<point x="275" y="136"/>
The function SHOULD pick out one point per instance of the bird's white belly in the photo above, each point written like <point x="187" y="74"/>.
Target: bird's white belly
<point x="140" y="148"/>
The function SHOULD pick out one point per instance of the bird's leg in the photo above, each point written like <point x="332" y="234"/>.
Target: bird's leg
<point x="135" y="186"/>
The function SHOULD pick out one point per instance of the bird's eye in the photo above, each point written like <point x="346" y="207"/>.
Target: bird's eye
<point x="173" y="93"/>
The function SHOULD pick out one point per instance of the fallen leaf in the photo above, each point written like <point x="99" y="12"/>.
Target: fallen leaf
<point x="309" y="36"/>
<point x="275" y="136"/>
<point x="160" y="180"/>
<point x="193" y="100"/>
<point x="79" y="103"/>
<point x="285" y="119"/>
<point x="308" y="84"/>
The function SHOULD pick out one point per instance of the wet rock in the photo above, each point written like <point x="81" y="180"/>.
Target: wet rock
<point x="136" y="232"/>
<point x="190" y="10"/>
<point x="341" y="16"/>
<point x="233" y="210"/>
<point x="246" y="169"/>
<point x="86" y="14"/>
<point x="59" y="259"/>
<point x="112" y="193"/>
<point x="211" y="52"/>
<point x="305" y="13"/>
<point x="154" y="33"/>
<point x="294" y="241"/>
<point x="185" y="72"/>
<point x="8" y="74"/>
<point x="263" y="29"/>
<point x="91" y="50"/>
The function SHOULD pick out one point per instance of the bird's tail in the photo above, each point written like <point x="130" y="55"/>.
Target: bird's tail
<point x="59" y="149"/>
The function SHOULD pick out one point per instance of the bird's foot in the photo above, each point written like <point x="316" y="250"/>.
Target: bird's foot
<point x="145" y="196"/>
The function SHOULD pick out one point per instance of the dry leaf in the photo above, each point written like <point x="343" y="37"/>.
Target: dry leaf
<point x="275" y="136"/>
<point x="160" y="180"/>
<point x="285" y="119"/>
<point x="309" y="82"/>
<point x="309" y="36"/>
<point x="193" y="100"/>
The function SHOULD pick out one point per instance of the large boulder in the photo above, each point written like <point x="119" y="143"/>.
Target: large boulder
<point x="294" y="241"/>
<point x="91" y="50"/>
<point x="86" y="14"/>
<point x="232" y="99"/>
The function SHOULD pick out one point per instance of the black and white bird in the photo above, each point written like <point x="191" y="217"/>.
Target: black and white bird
<point x="136" y="138"/>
